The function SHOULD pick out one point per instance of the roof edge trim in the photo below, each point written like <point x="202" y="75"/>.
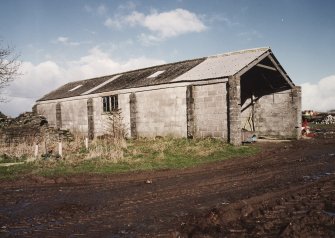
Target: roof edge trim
<point x="254" y="62"/>
<point x="240" y="52"/>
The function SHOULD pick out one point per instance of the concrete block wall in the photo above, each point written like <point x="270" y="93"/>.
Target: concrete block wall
<point x="234" y="110"/>
<point x="101" y="118"/>
<point x="49" y="111"/>
<point x="74" y="116"/>
<point x="210" y="111"/>
<point x="277" y="115"/>
<point x="161" y="112"/>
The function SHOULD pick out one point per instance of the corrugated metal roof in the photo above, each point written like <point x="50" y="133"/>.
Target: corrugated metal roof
<point x="212" y="67"/>
<point x="223" y="65"/>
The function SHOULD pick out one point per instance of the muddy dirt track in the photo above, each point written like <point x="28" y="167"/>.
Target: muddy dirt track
<point x="288" y="190"/>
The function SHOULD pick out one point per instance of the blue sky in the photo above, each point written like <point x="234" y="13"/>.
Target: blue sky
<point x="62" y="41"/>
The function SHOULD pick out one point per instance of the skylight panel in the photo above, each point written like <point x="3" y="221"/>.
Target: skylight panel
<point x="101" y="85"/>
<point x="154" y="75"/>
<point x="76" y="87"/>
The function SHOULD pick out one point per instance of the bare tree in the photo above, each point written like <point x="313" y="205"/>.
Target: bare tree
<point x="9" y="66"/>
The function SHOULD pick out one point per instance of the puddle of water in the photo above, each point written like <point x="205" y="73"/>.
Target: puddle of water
<point x="317" y="176"/>
<point x="329" y="213"/>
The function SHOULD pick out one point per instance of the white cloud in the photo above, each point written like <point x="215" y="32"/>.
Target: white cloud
<point x="62" y="39"/>
<point x="66" y="41"/>
<point x="113" y="23"/>
<point x="319" y="96"/>
<point x="162" y="25"/>
<point x="39" y="79"/>
<point x="135" y="18"/>
<point x="173" y="23"/>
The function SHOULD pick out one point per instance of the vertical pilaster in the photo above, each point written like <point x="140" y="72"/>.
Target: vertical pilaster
<point x="133" y="128"/>
<point x="58" y="115"/>
<point x="296" y="97"/>
<point x="90" y="119"/>
<point x="234" y="110"/>
<point x="190" y="111"/>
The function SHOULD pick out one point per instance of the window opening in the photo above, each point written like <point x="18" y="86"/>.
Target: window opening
<point x="114" y="102"/>
<point x="110" y="103"/>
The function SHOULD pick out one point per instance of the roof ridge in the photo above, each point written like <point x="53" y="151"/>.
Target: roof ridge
<point x="240" y="52"/>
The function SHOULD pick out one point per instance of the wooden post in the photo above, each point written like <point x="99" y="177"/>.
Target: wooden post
<point x="60" y="149"/>
<point x="45" y="147"/>
<point x="86" y="143"/>
<point x="36" y="151"/>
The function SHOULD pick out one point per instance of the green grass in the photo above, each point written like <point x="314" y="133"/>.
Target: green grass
<point x="138" y="155"/>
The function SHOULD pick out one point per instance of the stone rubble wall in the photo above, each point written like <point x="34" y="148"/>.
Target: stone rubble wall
<point x="29" y="128"/>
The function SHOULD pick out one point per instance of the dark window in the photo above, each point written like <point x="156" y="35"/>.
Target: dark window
<point x="110" y="103"/>
<point x="114" y="102"/>
<point x="106" y="104"/>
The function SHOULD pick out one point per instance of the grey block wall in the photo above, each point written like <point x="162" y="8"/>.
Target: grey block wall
<point x="49" y="111"/>
<point x="101" y="118"/>
<point x="166" y="112"/>
<point x="161" y="112"/>
<point x="132" y="115"/>
<point x="74" y="116"/>
<point x="296" y="96"/>
<point x="210" y="111"/>
<point x="234" y="110"/>
<point x="279" y="114"/>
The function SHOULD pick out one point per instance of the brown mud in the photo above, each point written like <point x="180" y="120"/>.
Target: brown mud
<point x="287" y="190"/>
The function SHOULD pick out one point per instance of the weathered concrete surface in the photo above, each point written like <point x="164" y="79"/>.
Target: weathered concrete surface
<point x="210" y="111"/>
<point x="132" y="115"/>
<point x="161" y="112"/>
<point x="190" y="111"/>
<point x="49" y="111"/>
<point x="74" y="115"/>
<point x="279" y="114"/>
<point x="90" y="118"/>
<point x="234" y="110"/>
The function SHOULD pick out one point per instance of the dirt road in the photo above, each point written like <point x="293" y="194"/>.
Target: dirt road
<point x="287" y="190"/>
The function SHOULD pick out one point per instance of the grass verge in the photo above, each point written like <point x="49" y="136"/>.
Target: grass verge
<point x="135" y="155"/>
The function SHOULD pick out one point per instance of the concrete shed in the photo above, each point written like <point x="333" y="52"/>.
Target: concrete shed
<point x="218" y="96"/>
